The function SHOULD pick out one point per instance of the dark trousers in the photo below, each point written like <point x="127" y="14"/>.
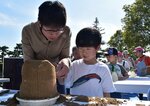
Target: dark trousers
<point x="60" y="88"/>
<point x="123" y="95"/>
<point x="115" y="95"/>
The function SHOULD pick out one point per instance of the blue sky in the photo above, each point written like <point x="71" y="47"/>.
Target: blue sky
<point x="14" y="14"/>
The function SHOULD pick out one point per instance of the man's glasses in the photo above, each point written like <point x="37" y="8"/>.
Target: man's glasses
<point x="58" y="30"/>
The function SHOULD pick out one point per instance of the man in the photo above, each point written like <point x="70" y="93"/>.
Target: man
<point x="49" y="37"/>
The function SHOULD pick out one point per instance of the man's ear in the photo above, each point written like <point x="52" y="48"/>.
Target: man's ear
<point x="40" y="24"/>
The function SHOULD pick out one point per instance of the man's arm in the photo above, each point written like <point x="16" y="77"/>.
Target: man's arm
<point x="27" y="50"/>
<point x="123" y="72"/>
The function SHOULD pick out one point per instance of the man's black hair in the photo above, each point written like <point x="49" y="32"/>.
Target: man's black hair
<point x="52" y="13"/>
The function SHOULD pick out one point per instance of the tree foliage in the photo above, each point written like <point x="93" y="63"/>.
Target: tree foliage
<point x="117" y="40"/>
<point x="3" y="51"/>
<point x="17" y="52"/>
<point x="136" y="29"/>
<point x="96" y="25"/>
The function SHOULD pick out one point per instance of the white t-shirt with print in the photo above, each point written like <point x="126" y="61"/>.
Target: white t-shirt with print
<point x="92" y="87"/>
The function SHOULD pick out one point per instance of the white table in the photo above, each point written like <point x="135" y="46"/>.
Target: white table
<point x="129" y="103"/>
<point x="2" y="80"/>
<point x="132" y="86"/>
<point x="139" y="78"/>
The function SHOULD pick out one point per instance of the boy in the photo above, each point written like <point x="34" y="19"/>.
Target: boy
<point x="118" y="71"/>
<point x="87" y="76"/>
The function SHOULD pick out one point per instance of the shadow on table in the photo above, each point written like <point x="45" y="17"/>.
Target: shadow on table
<point x="127" y="95"/>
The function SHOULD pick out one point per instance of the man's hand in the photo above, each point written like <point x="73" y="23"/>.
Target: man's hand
<point x="63" y="68"/>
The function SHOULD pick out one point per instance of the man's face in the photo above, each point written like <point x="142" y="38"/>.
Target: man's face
<point x="138" y="53"/>
<point x="51" y="33"/>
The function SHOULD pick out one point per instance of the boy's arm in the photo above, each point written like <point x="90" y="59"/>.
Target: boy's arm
<point x="123" y="72"/>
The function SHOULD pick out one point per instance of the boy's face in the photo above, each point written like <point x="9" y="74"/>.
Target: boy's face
<point x="88" y="53"/>
<point x="120" y="58"/>
<point x="112" y="58"/>
<point x="51" y="33"/>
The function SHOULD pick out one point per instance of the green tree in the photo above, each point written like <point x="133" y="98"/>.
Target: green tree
<point x="117" y="40"/>
<point x="10" y="54"/>
<point x="3" y="51"/>
<point x="96" y="25"/>
<point x="136" y="29"/>
<point x="18" y="50"/>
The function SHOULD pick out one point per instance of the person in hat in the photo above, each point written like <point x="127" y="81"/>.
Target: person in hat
<point x="142" y="62"/>
<point x="88" y="76"/>
<point x="118" y="71"/>
<point x="123" y="62"/>
<point x="75" y="54"/>
<point x="129" y="59"/>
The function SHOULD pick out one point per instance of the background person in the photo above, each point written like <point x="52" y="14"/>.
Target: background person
<point x="118" y="71"/>
<point x="123" y="62"/>
<point x="87" y="76"/>
<point x="142" y="62"/>
<point x="129" y="59"/>
<point x="49" y="37"/>
<point x="75" y="54"/>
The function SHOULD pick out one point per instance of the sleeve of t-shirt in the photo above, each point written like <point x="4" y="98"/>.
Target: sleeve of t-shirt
<point x="147" y="60"/>
<point x="107" y="82"/>
<point x="69" y="78"/>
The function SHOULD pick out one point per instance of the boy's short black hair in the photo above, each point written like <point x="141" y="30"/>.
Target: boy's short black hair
<point x="88" y="37"/>
<point x="52" y="13"/>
